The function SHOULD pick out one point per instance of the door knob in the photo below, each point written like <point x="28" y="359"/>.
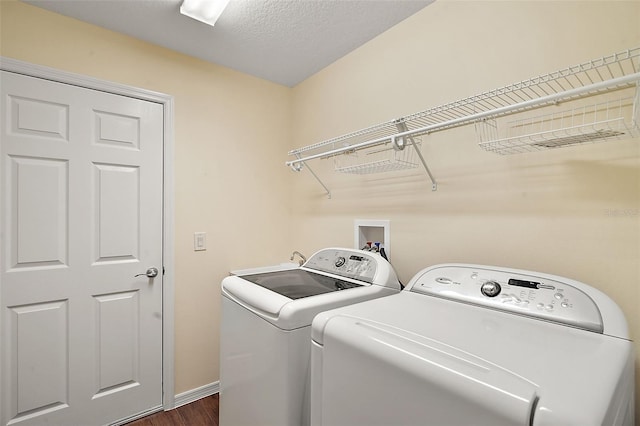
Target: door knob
<point x="151" y="272"/>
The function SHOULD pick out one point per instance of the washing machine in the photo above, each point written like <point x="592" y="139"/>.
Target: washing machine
<point x="469" y="344"/>
<point x="266" y="331"/>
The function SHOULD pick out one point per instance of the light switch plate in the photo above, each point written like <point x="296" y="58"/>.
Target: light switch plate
<point x="199" y="241"/>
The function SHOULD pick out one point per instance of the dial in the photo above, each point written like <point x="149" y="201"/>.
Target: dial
<point x="490" y="289"/>
<point x="340" y="261"/>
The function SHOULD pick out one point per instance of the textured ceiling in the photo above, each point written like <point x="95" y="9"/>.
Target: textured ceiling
<point x="284" y="41"/>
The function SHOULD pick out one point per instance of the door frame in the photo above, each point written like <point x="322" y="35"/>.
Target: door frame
<point x="52" y="74"/>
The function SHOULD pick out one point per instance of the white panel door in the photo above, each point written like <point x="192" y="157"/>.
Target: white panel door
<point x="81" y="215"/>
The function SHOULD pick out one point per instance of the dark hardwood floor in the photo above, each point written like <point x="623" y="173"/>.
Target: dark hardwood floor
<point x="203" y="412"/>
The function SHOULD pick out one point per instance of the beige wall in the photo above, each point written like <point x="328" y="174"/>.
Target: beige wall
<point x="548" y="211"/>
<point x="231" y="136"/>
<point x="573" y="212"/>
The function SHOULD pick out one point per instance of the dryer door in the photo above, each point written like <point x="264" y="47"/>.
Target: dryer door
<point x="375" y="374"/>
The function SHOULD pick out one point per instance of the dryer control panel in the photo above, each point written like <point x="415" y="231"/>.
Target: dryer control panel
<point x="346" y="263"/>
<point x="542" y="297"/>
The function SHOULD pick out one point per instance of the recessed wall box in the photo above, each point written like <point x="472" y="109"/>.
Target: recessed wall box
<point x="372" y="231"/>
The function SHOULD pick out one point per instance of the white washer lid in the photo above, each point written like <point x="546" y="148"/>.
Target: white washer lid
<point x="289" y="314"/>
<point x="436" y="381"/>
<point x="373" y="276"/>
<point x="265" y="301"/>
<point x="576" y="372"/>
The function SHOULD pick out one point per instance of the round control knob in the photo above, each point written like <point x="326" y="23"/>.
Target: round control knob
<point x="340" y="261"/>
<point x="490" y="289"/>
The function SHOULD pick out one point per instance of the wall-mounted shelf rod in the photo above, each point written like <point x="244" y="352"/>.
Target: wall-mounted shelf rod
<point x="591" y="89"/>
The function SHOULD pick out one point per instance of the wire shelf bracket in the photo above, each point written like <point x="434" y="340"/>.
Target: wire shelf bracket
<point x="402" y="127"/>
<point x="297" y="167"/>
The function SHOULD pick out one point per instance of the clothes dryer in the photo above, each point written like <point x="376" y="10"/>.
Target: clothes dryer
<point x="266" y="331"/>
<point x="470" y="344"/>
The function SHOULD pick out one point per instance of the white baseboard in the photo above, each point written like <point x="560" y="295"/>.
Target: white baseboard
<point x="196" y="394"/>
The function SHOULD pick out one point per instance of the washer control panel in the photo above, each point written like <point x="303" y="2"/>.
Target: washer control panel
<point x="543" y="298"/>
<point x="351" y="264"/>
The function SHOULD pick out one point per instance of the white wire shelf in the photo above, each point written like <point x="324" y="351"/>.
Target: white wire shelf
<point x="610" y="73"/>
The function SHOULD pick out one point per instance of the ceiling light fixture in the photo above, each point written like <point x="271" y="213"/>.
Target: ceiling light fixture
<point x="207" y="11"/>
